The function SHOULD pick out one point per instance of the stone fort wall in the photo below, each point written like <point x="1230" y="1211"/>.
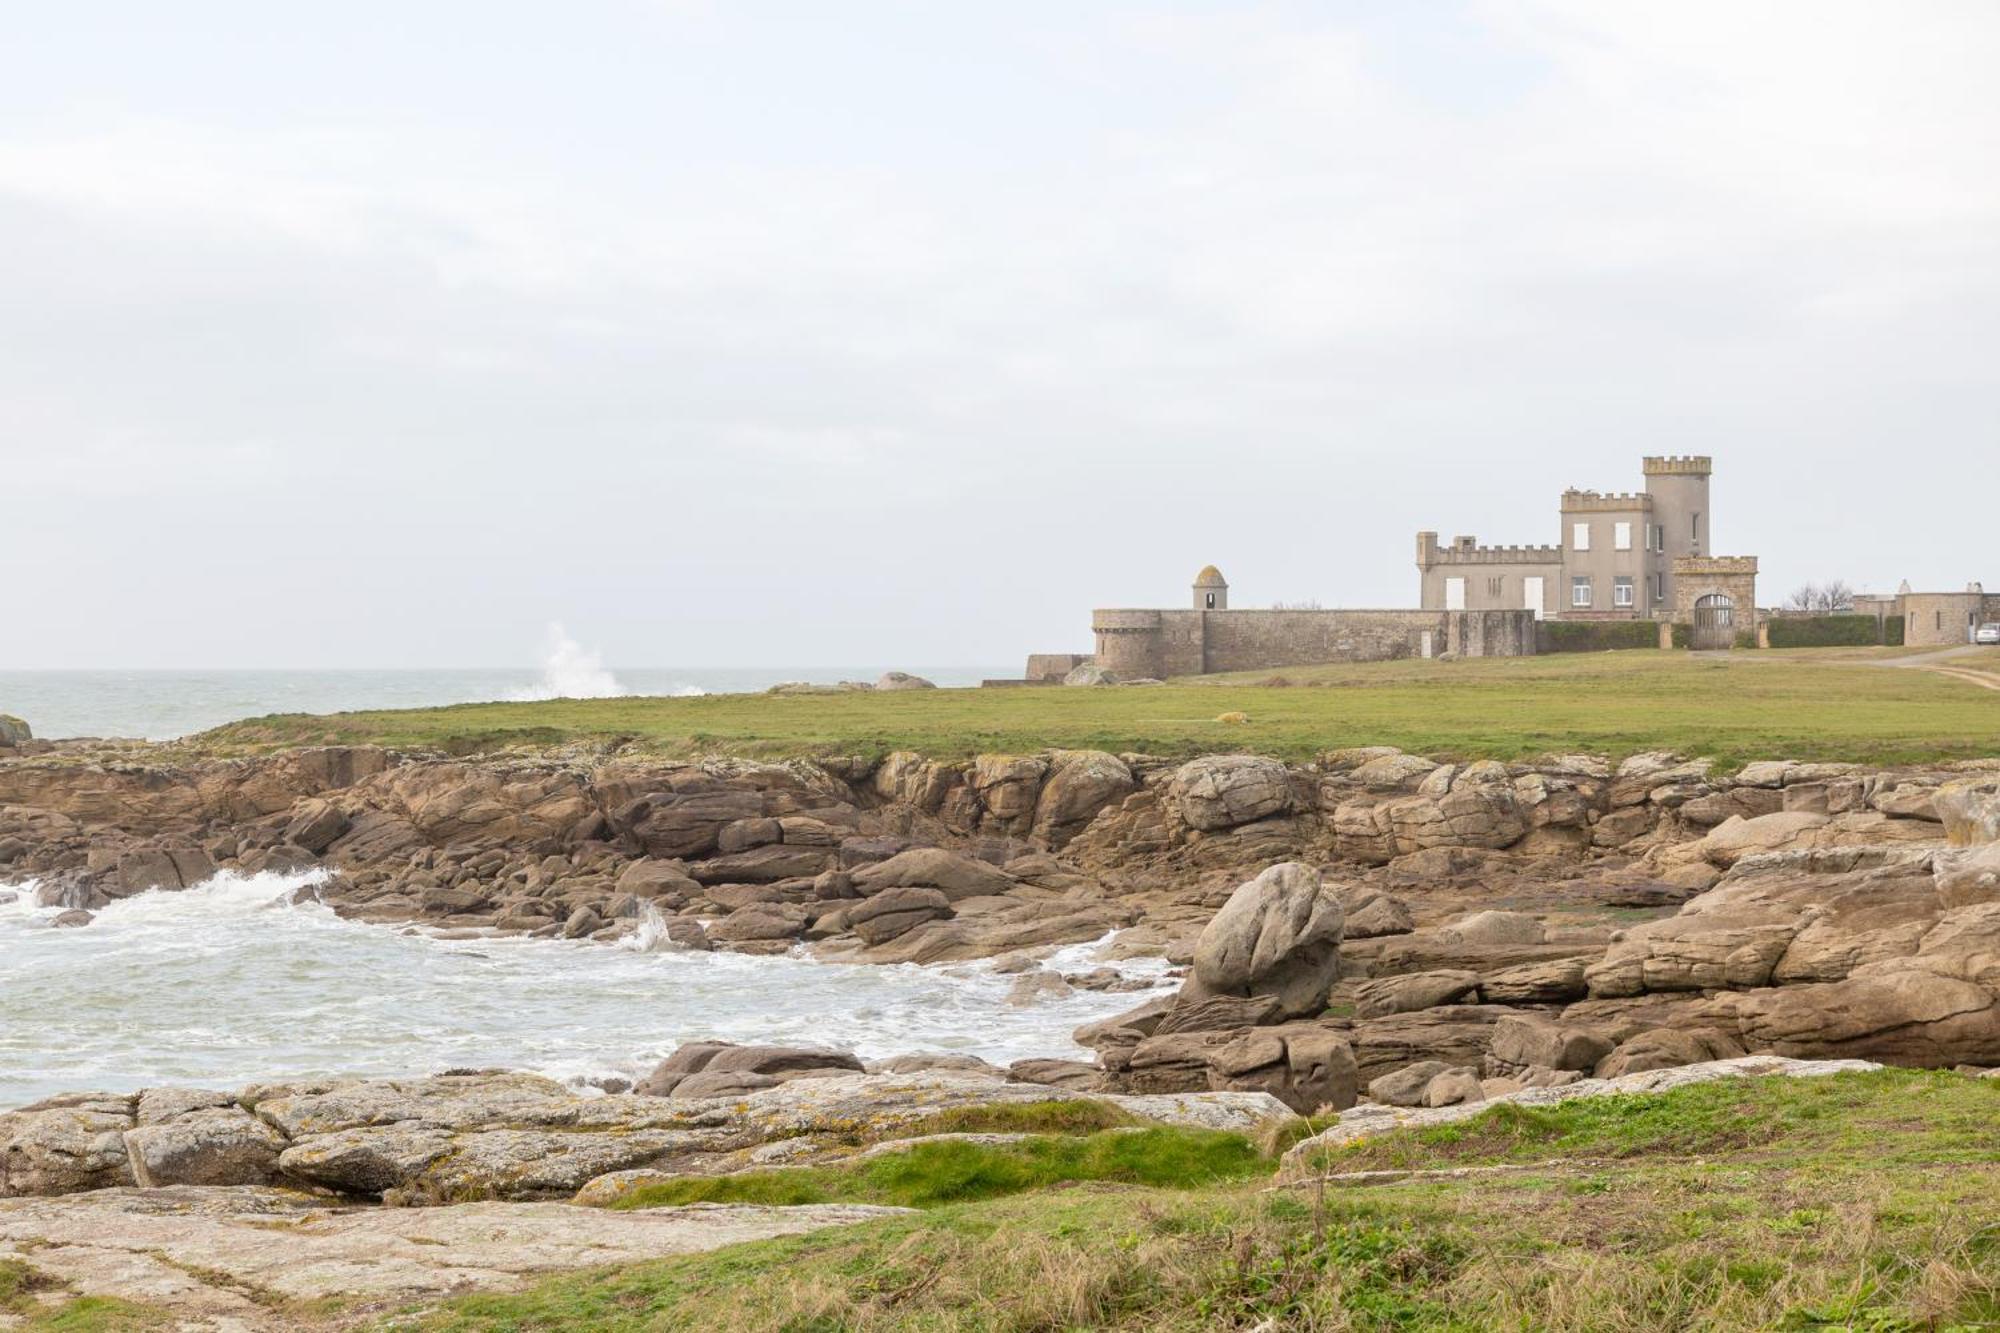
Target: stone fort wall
<point x="1153" y="643"/>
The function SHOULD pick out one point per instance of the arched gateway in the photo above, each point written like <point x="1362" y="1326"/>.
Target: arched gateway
<point x="1714" y="621"/>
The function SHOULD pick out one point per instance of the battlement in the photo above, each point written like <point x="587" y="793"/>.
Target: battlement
<point x="1497" y="555"/>
<point x="1124" y="620"/>
<point x="1466" y="550"/>
<point x="1679" y="465"/>
<point x="1711" y="566"/>
<point x="1604" y="502"/>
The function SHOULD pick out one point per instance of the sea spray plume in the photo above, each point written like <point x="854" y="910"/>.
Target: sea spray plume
<point x="571" y="671"/>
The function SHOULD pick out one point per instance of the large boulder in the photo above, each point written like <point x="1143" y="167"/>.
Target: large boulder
<point x="1309" y="1069"/>
<point x="1970" y="811"/>
<point x="1412" y="991"/>
<point x="66" y="1144"/>
<point x="1405" y="1086"/>
<point x="1455" y="1034"/>
<point x="896" y="911"/>
<point x="218" y="1146"/>
<point x="1969" y="876"/>
<point x="672" y="1076"/>
<point x="957" y="877"/>
<point x="902" y="680"/>
<point x="1780" y="918"/>
<point x="316" y="824"/>
<point x="1524" y="1040"/>
<point x="1224" y="791"/>
<point x="1935" y="1007"/>
<point x="1008" y="787"/>
<point x="366" y="1160"/>
<point x="761" y="922"/>
<point x="687" y="816"/>
<point x="647" y="878"/>
<point x="1080" y="784"/>
<point x="1668" y="1048"/>
<point x="1278" y="935"/>
<point x="1553" y="982"/>
<point x="13" y="731"/>
<point x="1736" y="837"/>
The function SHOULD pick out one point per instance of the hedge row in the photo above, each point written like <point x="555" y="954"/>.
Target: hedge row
<point x="1597" y="636"/>
<point x="1835" y="631"/>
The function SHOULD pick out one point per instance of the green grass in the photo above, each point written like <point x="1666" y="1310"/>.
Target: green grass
<point x="1805" y="704"/>
<point x="1891" y="1115"/>
<point x="931" y="1174"/>
<point x="23" y="1287"/>
<point x="1077" y="1115"/>
<point x="1857" y="1202"/>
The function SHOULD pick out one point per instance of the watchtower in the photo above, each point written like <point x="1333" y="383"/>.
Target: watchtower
<point x="1679" y="487"/>
<point x="1211" y="590"/>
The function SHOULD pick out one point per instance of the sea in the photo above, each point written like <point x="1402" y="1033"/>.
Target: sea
<point x="234" y="982"/>
<point x="245" y="979"/>
<point x="161" y="705"/>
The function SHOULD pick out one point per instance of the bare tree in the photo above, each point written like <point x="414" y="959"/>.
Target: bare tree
<point x="1822" y="598"/>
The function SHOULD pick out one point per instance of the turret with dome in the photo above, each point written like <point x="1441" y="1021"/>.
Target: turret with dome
<point x="1211" y="590"/>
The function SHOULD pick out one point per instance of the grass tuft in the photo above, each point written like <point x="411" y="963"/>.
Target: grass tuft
<point x="931" y="1174"/>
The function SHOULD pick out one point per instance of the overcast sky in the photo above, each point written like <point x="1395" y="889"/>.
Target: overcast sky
<point x="740" y="333"/>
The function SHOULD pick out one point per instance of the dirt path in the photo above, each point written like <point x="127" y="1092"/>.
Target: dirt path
<point x="1980" y="675"/>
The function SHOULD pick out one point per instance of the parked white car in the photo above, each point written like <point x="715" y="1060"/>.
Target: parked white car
<point x="1987" y="633"/>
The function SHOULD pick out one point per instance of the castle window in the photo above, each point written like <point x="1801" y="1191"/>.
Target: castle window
<point x="1454" y="594"/>
<point x="1210" y="600"/>
<point x="1579" y="592"/>
<point x="1659" y="588"/>
<point x="1496" y="587"/>
<point x="1579" y="537"/>
<point x="1621" y="536"/>
<point x="1621" y="591"/>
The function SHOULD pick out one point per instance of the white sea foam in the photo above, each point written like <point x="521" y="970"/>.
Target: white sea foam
<point x="232" y="982"/>
<point x="571" y="671"/>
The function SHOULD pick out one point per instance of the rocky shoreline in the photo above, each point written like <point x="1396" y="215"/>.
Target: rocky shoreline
<point x="1375" y="936"/>
<point x="1373" y="915"/>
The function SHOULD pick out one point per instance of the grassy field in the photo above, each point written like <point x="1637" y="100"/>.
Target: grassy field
<point x="1854" y="1202"/>
<point x="1804" y="704"/>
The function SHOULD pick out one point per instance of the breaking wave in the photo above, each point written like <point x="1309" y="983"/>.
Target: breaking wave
<point x="250" y="977"/>
<point x="571" y="671"/>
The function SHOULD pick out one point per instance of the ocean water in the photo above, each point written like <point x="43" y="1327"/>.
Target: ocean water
<point x="159" y="705"/>
<point x="229" y="983"/>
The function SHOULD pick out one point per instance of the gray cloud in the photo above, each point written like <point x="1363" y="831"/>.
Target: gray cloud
<point x="732" y="335"/>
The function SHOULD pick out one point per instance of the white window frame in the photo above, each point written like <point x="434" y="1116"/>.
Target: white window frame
<point x="1579" y="591"/>
<point x="1532" y="593"/>
<point x="1621" y="536"/>
<point x="1579" y="536"/>
<point x="1454" y="594"/>
<point x="1622" y="590"/>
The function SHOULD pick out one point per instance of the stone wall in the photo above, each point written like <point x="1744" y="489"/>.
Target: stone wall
<point x="1140" y="643"/>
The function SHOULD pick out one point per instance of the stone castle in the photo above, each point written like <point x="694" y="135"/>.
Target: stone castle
<point x="1620" y="556"/>
<point x="1635" y="555"/>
